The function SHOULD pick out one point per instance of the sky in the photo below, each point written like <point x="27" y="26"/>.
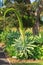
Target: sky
<point x="32" y="0"/>
<point x="0" y="0"/>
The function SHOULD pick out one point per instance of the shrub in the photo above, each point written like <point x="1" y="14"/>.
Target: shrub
<point x="28" y="50"/>
<point x="10" y="50"/>
<point x="23" y="51"/>
<point x="41" y="49"/>
<point x="9" y="37"/>
<point x="37" y="40"/>
<point x="4" y="35"/>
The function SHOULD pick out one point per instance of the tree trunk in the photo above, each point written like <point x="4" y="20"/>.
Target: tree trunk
<point x="37" y="15"/>
<point x="36" y="25"/>
<point x="27" y="1"/>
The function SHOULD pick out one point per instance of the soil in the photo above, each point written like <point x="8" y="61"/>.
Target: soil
<point x="12" y="60"/>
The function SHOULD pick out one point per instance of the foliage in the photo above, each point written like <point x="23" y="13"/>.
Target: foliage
<point x="37" y="40"/>
<point x="24" y="51"/>
<point x="41" y="49"/>
<point x="19" y="1"/>
<point x="19" y="21"/>
<point x="10" y="50"/>
<point x="27" y="50"/>
<point x="4" y="34"/>
<point x="24" y="13"/>
<point x="20" y="44"/>
<point x="9" y="36"/>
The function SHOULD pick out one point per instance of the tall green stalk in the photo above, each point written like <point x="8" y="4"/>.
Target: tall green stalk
<point x="19" y="21"/>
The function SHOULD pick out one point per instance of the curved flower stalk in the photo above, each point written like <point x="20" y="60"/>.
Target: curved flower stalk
<point x="19" y="21"/>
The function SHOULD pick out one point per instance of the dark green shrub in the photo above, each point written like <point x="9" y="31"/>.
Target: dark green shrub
<point x="36" y="53"/>
<point x="9" y="37"/>
<point x="31" y="49"/>
<point x="23" y="51"/>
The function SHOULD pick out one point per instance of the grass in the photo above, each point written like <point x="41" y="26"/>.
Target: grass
<point x="27" y="64"/>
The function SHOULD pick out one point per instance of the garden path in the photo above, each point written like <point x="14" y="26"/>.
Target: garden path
<point x="3" y="59"/>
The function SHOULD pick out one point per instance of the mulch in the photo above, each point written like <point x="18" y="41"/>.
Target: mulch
<point x="12" y="60"/>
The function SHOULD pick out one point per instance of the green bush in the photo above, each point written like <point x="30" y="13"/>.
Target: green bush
<point x="29" y="49"/>
<point x="15" y="46"/>
<point x="4" y="34"/>
<point x="41" y="49"/>
<point x="9" y="37"/>
<point x="10" y="50"/>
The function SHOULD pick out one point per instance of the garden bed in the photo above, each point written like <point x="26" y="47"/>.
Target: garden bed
<point x="15" y="61"/>
<point x="12" y="60"/>
<point x="25" y="61"/>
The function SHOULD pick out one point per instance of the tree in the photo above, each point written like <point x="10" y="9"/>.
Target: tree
<point x="7" y="1"/>
<point x="27" y="1"/>
<point x="37" y="15"/>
